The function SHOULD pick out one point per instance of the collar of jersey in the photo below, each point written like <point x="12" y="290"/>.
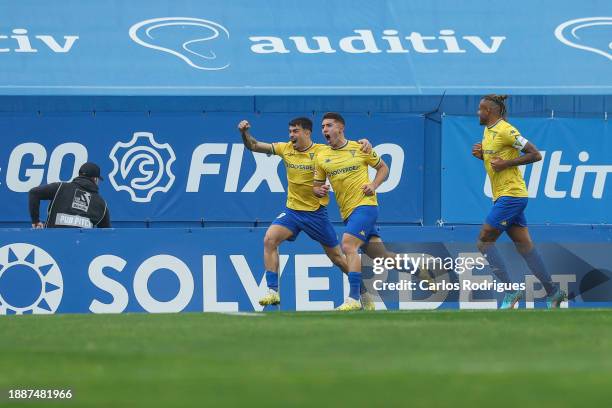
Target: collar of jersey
<point x="306" y="149"/>
<point x="341" y="147"/>
<point x="495" y="124"/>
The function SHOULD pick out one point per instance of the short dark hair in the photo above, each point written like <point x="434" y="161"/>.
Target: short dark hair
<point x="335" y="116"/>
<point x="499" y="101"/>
<point x="302" y="122"/>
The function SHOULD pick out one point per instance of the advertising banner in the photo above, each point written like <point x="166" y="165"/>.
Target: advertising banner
<point x="221" y="270"/>
<point x="342" y="47"/>
<point x="569" y="185"/>
<point x="192" y="167"/>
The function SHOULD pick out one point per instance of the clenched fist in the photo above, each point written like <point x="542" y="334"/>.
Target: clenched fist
<point x="321" y="191"/>
<point x="244" y="125"/>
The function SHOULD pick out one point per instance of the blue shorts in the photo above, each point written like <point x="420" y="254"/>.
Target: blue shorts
<point x="507" y="211"/>
<point x="362" y="222"/>
<point x="314" y="223"/>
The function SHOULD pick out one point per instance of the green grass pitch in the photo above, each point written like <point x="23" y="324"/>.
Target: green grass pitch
<point x="558" y="358"/>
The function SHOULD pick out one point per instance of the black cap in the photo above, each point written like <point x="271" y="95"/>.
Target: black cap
<point x="90" y="169"/>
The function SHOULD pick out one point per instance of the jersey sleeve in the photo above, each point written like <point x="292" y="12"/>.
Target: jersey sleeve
<point x="319" y="172"/>
<point x="372" y="159"/>
<point x="36" y="194"/>
<point x="279" y="148"/>
<point x="512" y="137"/>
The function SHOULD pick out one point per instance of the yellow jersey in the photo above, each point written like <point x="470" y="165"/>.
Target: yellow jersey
<point x="347" y="170"/>
<point x="504" y="141"/>
<point x="300" y="176"/>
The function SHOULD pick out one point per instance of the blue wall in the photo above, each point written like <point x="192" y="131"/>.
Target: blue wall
<point x="220" y="269"/>
<point x="430" y="108"/>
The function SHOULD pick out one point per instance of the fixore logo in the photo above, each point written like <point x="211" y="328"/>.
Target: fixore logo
<point x="31" y="164"/>
<point x="164" y="34"/>
<point x="200" y="42"/>
<point x="568" y="34"/>
<point x="142" y="167"/>
<point x="30" y="280"/>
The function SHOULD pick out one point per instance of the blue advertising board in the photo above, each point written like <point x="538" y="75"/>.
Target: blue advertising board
<point x="221" y="270"/>
<point x="569" y="185"/>
<point x="346" y="47"/>
<point x="192" y="167"/>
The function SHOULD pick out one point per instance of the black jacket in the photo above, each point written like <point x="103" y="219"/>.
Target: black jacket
<point x="73" y="205"/>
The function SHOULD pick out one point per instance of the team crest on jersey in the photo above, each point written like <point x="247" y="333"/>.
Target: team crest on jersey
<point x="504" y="223"/>
<point x="327" y="160"/>
<point x="311" y="155"/>
<point x="352" y="153"/>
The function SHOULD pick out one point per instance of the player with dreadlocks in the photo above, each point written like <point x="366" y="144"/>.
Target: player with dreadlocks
<point x="500" y="150"/>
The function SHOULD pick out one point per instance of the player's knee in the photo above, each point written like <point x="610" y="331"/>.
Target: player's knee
<point x="270" y="242"/>
<point x="349" y="247"/>
<point x="486" y="239"/>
